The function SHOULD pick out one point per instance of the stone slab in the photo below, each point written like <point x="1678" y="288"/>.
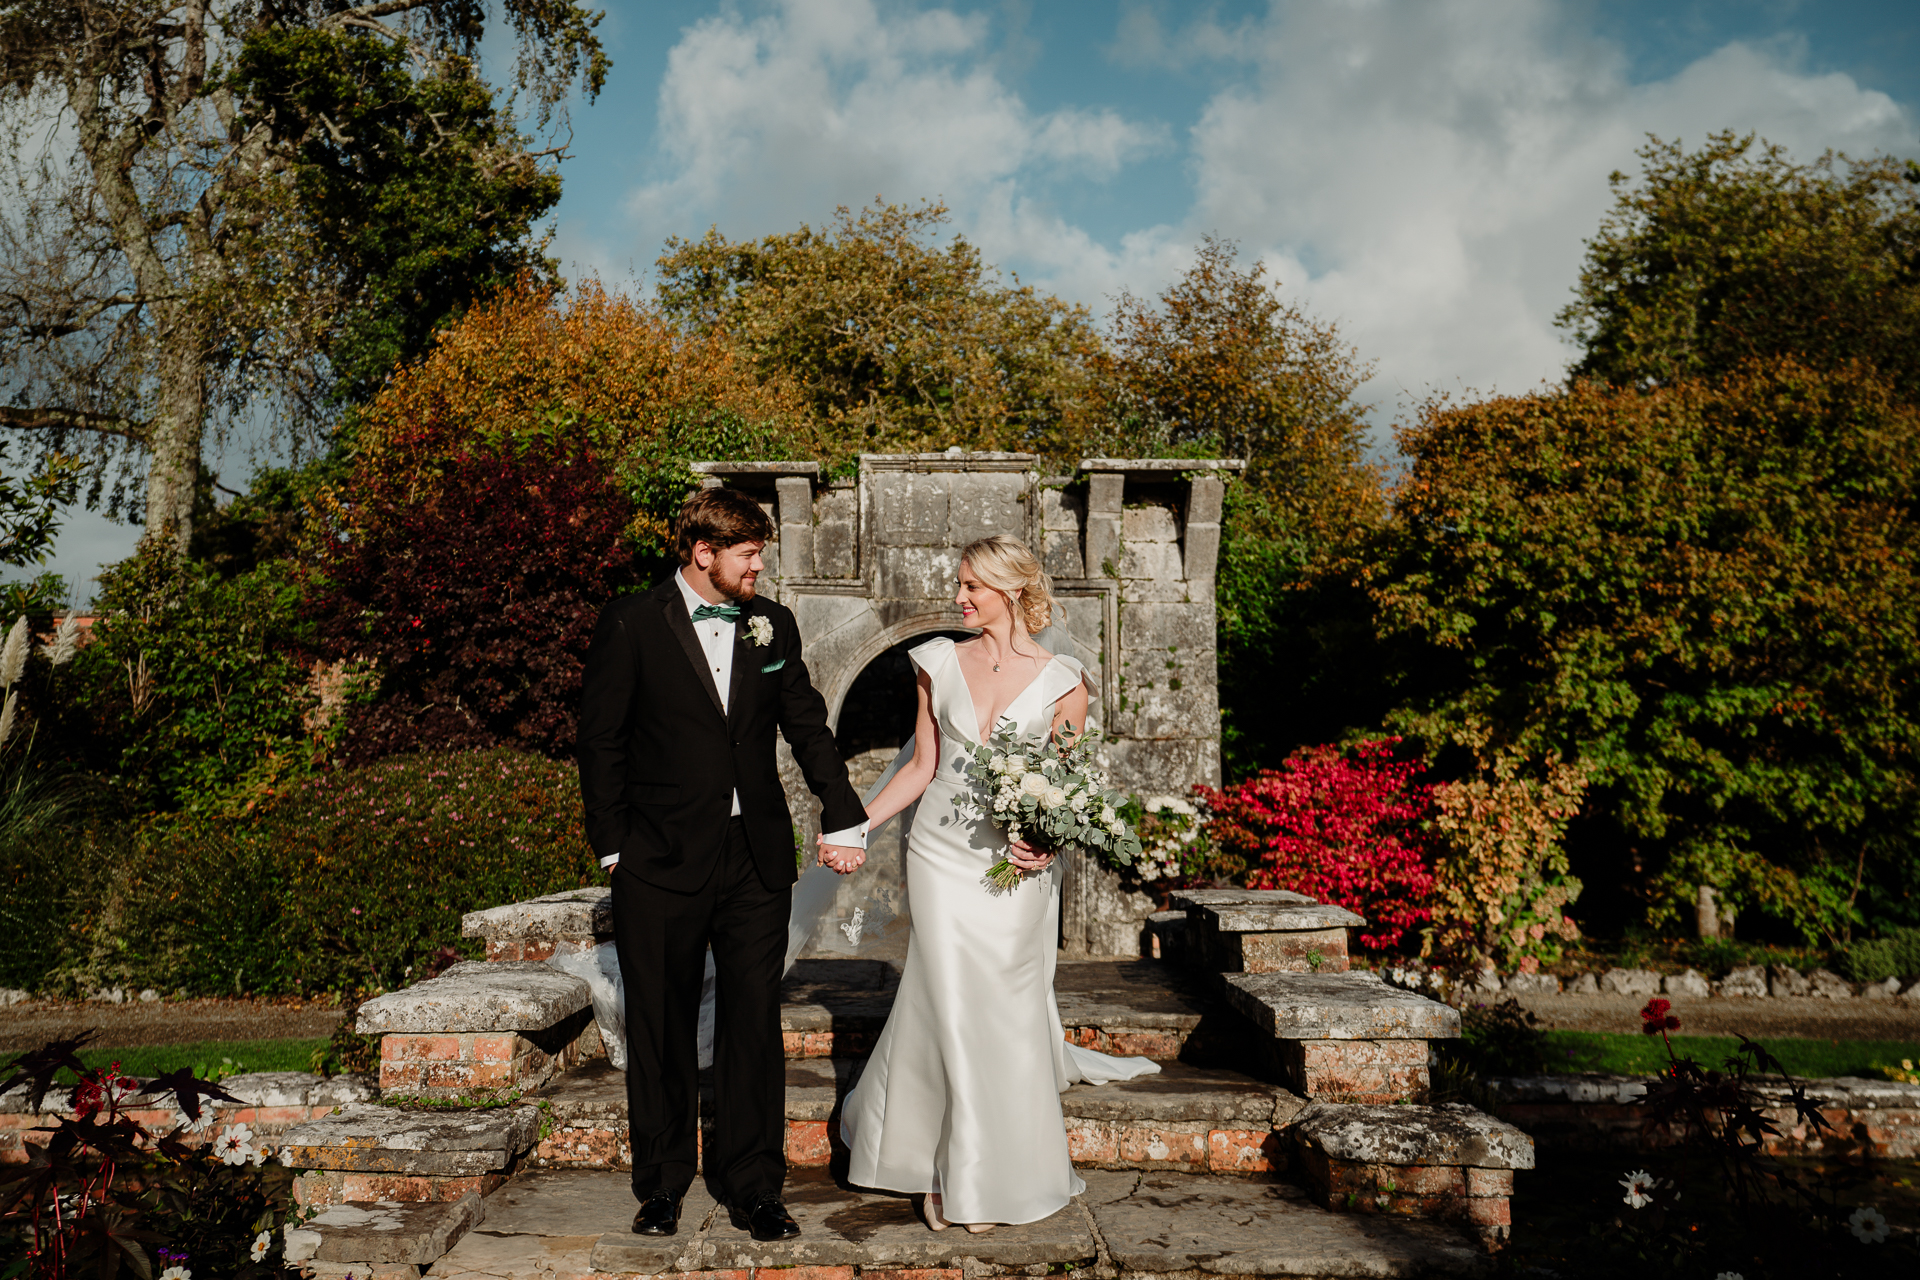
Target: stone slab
<point x="1254" y="1227"/>
<point x="1453" y="1134"/>
<point x="813" y="1086"/>
<point x="837" y="995"/>
<point x="591" y="1095"/>
<point x="386" y="1231"/>
<point x="581" y="1202"/>
<point x="1215" y="899"/>
<point x="298" y="1089"/>
<point x="373" y="1139"/>
<point x="1277" y="918"/>
<point x="478" y="997"/>
<point x="1337" y="1006"/>
<point x="577" y="913"/>
<point x="841" y="1226"/>
<point x="1128" y="995"/>
<point x="1182" y="1093"/>
<point x="1854" y="1093"/>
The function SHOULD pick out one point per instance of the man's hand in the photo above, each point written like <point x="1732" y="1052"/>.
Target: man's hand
<point x="841" y="857"/>
<point x="1027" y="858"/>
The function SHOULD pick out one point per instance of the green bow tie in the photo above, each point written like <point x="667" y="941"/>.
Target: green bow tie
<point x="727" y="611"/>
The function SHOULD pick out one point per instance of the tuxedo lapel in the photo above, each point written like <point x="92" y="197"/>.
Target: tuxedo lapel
<point x="674" y="609"/>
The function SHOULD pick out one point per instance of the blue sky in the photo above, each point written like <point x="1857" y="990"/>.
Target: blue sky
<point x="1421" y="173"/>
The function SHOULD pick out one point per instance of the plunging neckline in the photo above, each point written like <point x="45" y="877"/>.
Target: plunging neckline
<point x="972" y="707"/>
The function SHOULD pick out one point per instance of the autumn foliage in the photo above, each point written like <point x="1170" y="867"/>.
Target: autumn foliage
<point x="588" y="370"/>
<point x="1341" y="827"/>
<point x="475" y="600"/>
<point x="1501" y="884"/>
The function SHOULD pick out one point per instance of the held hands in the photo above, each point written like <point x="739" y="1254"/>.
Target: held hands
<point x="1027" y="858"/>
<point x="842" y="858"/>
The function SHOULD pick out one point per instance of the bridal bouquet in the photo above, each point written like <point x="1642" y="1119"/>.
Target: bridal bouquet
<point x="1050" y="794"/>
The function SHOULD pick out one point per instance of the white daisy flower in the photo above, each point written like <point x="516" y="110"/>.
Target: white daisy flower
<point x="176" y="1273"/>
<point x="261" y="1243"/>
<point x="235" y="1144"/>
<point x="1639" y="1185"/>
<point x="1868" y="1224"/>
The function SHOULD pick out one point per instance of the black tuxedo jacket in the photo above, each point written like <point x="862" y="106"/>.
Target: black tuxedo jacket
<point x="660" y="761"/>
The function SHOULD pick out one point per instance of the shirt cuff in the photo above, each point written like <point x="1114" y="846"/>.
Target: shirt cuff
<point x="854" y="837"/>
<point x="606" y="864"/>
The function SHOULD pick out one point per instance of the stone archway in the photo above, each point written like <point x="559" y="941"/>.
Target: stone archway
<point x="1131" y="544"/>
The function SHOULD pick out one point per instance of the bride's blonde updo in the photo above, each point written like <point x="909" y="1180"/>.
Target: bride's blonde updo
<point x="1009" y="565"/>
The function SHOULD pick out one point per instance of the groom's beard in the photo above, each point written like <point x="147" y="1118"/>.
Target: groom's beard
<point x="739" y="590"/>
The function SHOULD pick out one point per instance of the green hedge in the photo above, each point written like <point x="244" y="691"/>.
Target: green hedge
<point x="347" y="882"/>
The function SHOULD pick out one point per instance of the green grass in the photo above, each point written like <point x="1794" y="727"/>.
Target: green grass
<point x="1645" y="1055"/>
<point x="249" y="1055"/>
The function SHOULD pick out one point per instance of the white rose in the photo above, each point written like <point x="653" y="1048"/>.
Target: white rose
<point x="1034" y="784"/>
<point x="1108" y="816"/>
<point x="1079" y="802"/>
<point x="1053" y="797"/>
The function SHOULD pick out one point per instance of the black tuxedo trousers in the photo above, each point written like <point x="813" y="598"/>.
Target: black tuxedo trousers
<point x="664" y="934"/>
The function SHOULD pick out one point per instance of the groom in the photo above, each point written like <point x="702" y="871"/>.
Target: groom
<point x="684" y="687"/>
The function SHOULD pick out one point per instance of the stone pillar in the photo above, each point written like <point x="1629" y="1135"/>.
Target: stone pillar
<point x="1104" y="511"/>
<point x="1202" y="542"/>
<point x="795" y="502"/>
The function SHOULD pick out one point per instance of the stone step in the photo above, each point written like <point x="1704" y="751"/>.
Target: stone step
<point x="366" y="1153"/>
<point x="576" y="1223"/>
<point x="386" y="1239"/>
<point x="1184" y="1118"/>
<point x="1147" y="1008"/>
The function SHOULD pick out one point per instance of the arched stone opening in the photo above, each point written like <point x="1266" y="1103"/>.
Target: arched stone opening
<point x="866" y="564"/>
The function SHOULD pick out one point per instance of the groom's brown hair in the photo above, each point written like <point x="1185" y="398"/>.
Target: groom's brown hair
<point x="721" y="518"/>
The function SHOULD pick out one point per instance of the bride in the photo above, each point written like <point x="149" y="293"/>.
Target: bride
<point x="961" y="1098"/>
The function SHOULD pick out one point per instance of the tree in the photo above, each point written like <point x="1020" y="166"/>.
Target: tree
<point x="476" y="601"/>
<point x="1221" y="365"/>
<point x="1726" y="254"/>
<point x="1707" y="595"/>
<point x="585" y="371"/>
<point x="898" y="343"/>
<point x="178" y="245"/>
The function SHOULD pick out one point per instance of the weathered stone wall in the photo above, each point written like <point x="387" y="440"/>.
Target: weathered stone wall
<point x="1131" y="546"/>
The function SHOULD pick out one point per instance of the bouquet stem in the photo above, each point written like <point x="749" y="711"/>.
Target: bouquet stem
<point x="1003" y="876"/>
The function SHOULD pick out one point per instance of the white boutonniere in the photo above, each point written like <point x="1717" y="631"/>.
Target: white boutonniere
<point x="760" y="631"/>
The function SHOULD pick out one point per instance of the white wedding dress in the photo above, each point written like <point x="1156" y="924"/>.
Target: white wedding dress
<point x="962" y="1093"/>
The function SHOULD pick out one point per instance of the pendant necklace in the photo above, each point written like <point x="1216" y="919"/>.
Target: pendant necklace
<point x="996" y="666"/>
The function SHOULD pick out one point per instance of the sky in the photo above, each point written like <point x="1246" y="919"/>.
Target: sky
<point x="1422" y="173"/>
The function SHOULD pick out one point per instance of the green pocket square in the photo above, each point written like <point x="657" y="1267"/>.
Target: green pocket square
<point x="773" y="666"/>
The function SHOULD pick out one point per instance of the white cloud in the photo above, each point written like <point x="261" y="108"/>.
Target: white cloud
<point x="770" y="121"/>
<point x="1426" y="174"/>
<point x="1422" y="173"/>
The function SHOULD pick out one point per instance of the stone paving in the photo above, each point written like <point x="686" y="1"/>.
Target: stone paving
<point x="565" y="1225"/>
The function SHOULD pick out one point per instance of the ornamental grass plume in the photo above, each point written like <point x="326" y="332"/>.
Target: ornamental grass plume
<point x="66" y="641"/>
<point x="13" y="655"/>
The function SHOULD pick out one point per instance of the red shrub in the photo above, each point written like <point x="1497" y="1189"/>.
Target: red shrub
<point x="476" y="601"/>
<point x="1342" y="827"/>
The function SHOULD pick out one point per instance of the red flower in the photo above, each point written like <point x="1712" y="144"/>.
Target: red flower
<point x="1655" y="1019"/>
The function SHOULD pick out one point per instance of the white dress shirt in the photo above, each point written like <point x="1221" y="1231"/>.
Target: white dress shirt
<point x="717" y="642"/>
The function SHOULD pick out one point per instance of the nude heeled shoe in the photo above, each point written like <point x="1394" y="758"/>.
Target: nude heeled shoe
<point x="930" y="1210"/>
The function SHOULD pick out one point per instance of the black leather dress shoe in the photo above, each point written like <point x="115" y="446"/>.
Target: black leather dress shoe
<point x="659" y="1215"/>
<point x="765" y="1219"/>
